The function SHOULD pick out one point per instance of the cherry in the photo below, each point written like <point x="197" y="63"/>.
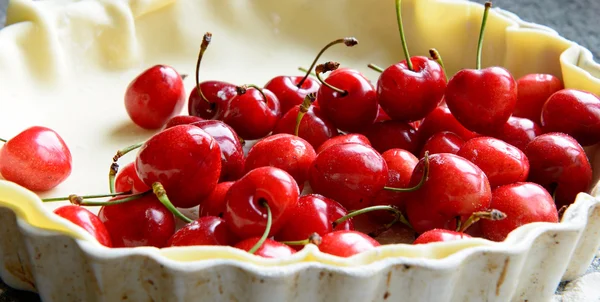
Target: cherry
<point x="523" y="203"/>
<point x="284" y="151"/>
<point x="440" y="235"/>
<point x="37" y="158"/>
<point x="214" y="204"/>
<point x="502" y="163"/>
<point x="532" y="92"/>
<point x="185" y="160"/>
<point x="269" y="248"/>
<point x="252" y="113"/>
<point x="206" y="230"/>
<point x="182" y="120"/>
<point x="314" y="214"/>
<point x="87" y="220"/>
<point x="482" y="99"/>
<point x="349" y="173"/>
<point x="140" y="222"/>
<point x="409" y="90"/>
<point x="439" y="120"/>
<point x="454" y="187"/>
<point x="346" y="243"/>
<point x="518" y="132"/>
<point x="128" y="180"/>
<point x="245" y="201"/>
<point x="346" y="138"/>
<point x="574" y="112"/>
<point x="208" y="99"/>
<point x="559" y="164"/>
<point x="155" y="96"/>
<point x="443" y="142"/>
<point x="347" y="98"/>
<point x="392" y="134"/>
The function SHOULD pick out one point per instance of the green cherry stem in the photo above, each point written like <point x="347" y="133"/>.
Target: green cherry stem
<point x="77" y="200"/>
<point x="375" y="67"/>
<point x="349" y="41"/>
<point x="161" y="194"/>
<point x="308" y="100"/>
<point x="397" y="217"/>
<point x="85" y="196"/>
<point x="435" y="55"/>
<point x="402" y="37"/>
<point x="329" y="66"/>
<point x="421" y="182"/>
<point x="114" y="166"/>
<point x="486" y="11"/>
<point x="264" y="236"/>
<point x="489" y="215"/>
<point x="203" y="46"/>
<point x="3" y="140"/>
<point x="314" y="238"/>
<point x="307" y="71"/>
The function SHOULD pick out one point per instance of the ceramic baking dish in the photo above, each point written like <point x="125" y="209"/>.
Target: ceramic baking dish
<point x="65" y="64"/>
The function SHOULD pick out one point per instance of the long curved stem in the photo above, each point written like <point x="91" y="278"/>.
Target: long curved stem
<point x="486" y="11"/>
<point x="205" y="41"/>
<point x="421" y="182"/>
<point x="349" y="41"/>
<point x="402" y="37"/>
<point x="264" y="236"/>
<point x="161" y="194"/>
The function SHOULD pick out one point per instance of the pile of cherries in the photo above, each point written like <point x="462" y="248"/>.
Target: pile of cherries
<point x="479" y="154"/>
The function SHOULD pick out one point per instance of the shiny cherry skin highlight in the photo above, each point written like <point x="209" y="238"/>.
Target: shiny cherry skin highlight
<point x="206" y="230"/>
<point x="87" y="220"/>
<point x="288" y="93"/>
<point x="251" y="115"/>
<point x="532" y="92"/>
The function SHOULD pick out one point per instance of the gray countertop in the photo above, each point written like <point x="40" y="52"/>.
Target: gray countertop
<point x="576" y="20"/>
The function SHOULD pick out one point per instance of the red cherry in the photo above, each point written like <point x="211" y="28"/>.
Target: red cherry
<point x="206" y="230"/>
<point x="284" y="151"/>
<point x="182" y="120"/>
<point x="518" y="132"/>
<point x="214" y="204"/>
<point x="343" y="139"/>
<point x="440" y="235"/>
<point x="314" y="214"/>
<point x="245" y="213"/>
<point x="269" y="249"/>
<point x="455" y="187"/>
<point x="139" y="222"/>
<point x="347" y="243"/>
<point x="560" y="165"/>
<point x="532" y="92"/>
<point x="502" y="163"/>
<point x="314" y="127"/>
<point x="286" y="89"/>
<point x="388" y="135"/>
<point x="37" y="159"/>
<point x="443" y="142"/>
<point x="574" y="112"/>
<point x="155" y="96"/>
<point x="523" y="203"/>
<point x="86" y="220"/>
<point x="347" y="98"/>
<point x="350" y="173"/>
<point x="252" y="113"/>
<point x="185" y="160"/>
<point x="128" y="180"/>
<point x="439" y="120"/>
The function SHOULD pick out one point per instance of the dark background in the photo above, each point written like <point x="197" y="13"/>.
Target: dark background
<point x="577" y="20"/>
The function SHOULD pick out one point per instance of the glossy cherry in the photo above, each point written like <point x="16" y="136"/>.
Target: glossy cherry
<point x="252" y="113"/>
<point x="269" y="249"/>
<point x="574" y="112"/>
<point x="443" y="142"/>
<point x="214" y="204"/>
<point x="155" y="96"/>
<point x="439" y="120"/>
<point x="37" y="158"/>
<point x="518" y="132"/>
<point x="185" y="160"/>
<point x="532" y="92"/>
<point x="128" y="180"/>
<point x="559" y="164"/>
<point x="502" y="163"/>
<point x="346" y="243"/>
<point x="346" y="138"/>
<point x="245" y="213"/>
<point x="392" y="134"/>
<point x="182" y="120"/>
<point x="284" y="151"/>
<point x="523" y="203"/>
<point x="440" y="235"/>
<point x="206" y="230"/>
<point x="87" y="220"/>
<point x="349" y="173"/>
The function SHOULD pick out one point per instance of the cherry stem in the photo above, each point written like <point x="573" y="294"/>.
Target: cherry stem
<point x="79" y="201"/>
<point x="205" y="41"/>
<point x="307" y="71"/>
<point x="114" y="167"/>
<point x="480" y="42"/>
<point x="303" y="110"/>
<point x="402" y="37"/>
<point x="314" y="238"/>
<point x="329" y="66"/>
<point x="85" y="196"/>
<point x="242" y="89"/>
<point x="489" y="215"/>
<point x="435" y="55"/>
<point x="161" y="194"/>
<point x="397" y="217"/>
<point x="3" y="140"/>
<point x="375" y="67"/>
<point x="349" y="41"/>
<point x="264" y="236"/>
<point x="421" y="182"/>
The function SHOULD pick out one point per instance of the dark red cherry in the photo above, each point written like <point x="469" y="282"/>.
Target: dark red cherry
<point x="347" y="243"/>
<point x="287" y="91"/>
<point x="185" y="160"/>
<point x="37" y="159"/>
<point x="87" y="220"/>
<point x="439" y="120"/>
<point x="443" y="142"/>
<point x="252" y="114"/>
<point x="315" y="128"/>
<point x="269" y="249"/>
<point x="388" y="135"/>
<point x="346" y="138"/>
<point x="128" y="180"/>
<point x="214" y="204"/>
<point x="518" y="132"/>
<point x="182" y="120"/>
<point x="217" y="93"/>
<point x="440" y="235"/>
<point x="532" y="92"/>
<point x="206" y="230"/>
<point x="155" y="96"/>
<point x="232" y="152"/>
